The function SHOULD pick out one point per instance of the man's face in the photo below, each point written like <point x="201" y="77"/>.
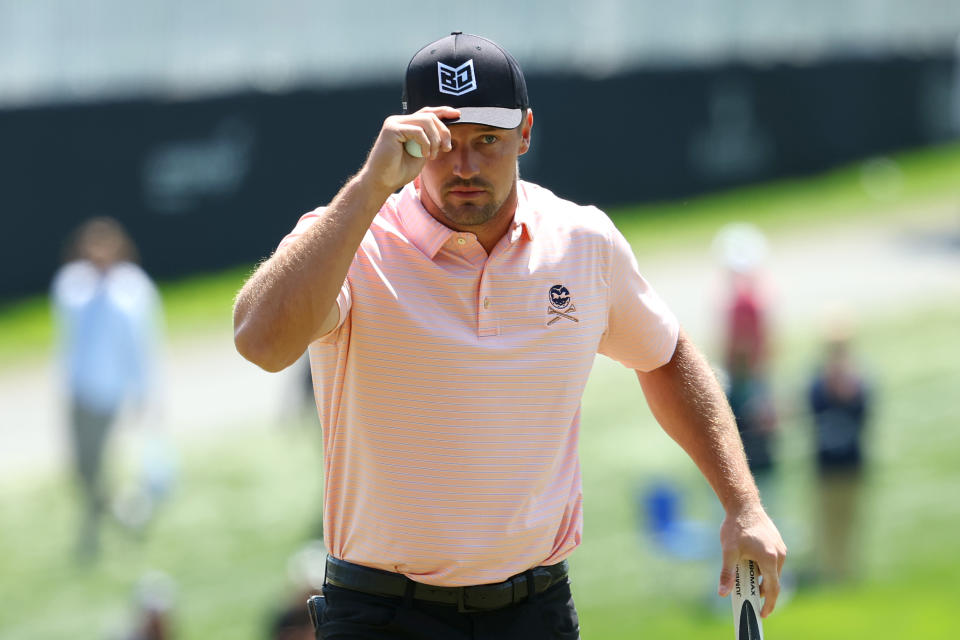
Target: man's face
<point x="469" y="185"/>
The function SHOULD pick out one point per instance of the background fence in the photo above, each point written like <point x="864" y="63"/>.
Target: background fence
<point x="214" y="182"/>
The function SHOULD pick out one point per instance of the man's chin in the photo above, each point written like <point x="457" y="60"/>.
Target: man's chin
<point x="470" y="215"/>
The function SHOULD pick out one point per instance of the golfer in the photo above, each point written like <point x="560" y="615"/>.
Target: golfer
<point x="452" y="314"/>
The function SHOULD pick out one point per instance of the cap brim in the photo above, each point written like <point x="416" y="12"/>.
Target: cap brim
<point x="498" y="117"/>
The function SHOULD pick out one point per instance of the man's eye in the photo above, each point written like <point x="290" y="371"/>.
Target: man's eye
<point x="490" y="139"/>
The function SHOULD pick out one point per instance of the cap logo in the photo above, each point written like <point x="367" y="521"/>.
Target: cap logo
<point x="456" y="81"/>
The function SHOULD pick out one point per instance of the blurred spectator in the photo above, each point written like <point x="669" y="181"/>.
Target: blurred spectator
<point x="299" y="407"/>
<point x="153" y="618"/>
<point x="746" y="352"/>
<point x="107" y="310"/>
<point x="305" y="571"/>
<point x="664" y="521"/>
<point x="839" y="404"/>
<point x="292" y="623"/>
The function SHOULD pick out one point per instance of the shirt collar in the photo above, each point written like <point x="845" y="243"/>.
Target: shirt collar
<point x="429" y="235"/>
<point x="523" y="217"/>
<point x="421" y="228"/>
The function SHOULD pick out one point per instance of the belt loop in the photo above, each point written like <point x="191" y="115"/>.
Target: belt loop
<point x="531" y="585"/>
<point x="409" y="593"/>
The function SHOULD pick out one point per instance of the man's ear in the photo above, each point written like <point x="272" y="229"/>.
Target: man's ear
<point x="526" y="130"/>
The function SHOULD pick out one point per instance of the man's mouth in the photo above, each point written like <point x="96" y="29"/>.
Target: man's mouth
<point x="466" y="191"/>
<point x="466" y="187"/>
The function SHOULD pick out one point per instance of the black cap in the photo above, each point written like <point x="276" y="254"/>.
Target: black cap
<point x="471" y="74"/>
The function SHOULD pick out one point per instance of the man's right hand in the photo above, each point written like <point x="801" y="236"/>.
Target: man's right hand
<point x="388" y="165"/>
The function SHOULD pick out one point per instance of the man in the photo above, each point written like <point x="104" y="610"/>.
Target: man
<point x="839" y="402"/>
<point x="108" y="319"/>
<point x="451" y="328"/>
<point x="747" y="353"/>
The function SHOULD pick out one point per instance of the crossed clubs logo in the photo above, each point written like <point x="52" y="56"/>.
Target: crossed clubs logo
<point x="561" y="304"/>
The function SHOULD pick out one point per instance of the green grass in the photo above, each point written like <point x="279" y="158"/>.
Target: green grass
<point x="875" y="612"/>
<point x="26" y="329"/>
<point x="241" y="507"/>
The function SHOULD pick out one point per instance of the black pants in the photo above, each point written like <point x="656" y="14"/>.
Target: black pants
<point x="354" y="615"/>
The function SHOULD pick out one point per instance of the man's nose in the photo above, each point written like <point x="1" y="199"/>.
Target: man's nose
<point x="464" y="162"/>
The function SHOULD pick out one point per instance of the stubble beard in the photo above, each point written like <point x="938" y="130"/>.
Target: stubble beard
<point x="470" y="215"/>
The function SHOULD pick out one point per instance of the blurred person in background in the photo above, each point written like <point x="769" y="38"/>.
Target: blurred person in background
<point x="107" y="312"/>
<point x="152" y="615"/>
<point x="746" y="350"/>
<point x="298" y="409"/>
<point x="305" y="569"/>
<point x="839" y="402"/>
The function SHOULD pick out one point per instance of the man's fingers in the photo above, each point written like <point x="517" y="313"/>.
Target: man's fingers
<point x="427" y="130"/>
<point x="727" y="572"/>
<point x="771" y="602"/>
<point x="413" y="133"/>
<point x="436" y="129"/>
<point x="444" y="113"/>
<point x="769" y="588"/>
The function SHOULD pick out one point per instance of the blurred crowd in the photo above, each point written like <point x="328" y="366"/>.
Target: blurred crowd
<point x="833" y="408"/>
<point x="835" y="404"/>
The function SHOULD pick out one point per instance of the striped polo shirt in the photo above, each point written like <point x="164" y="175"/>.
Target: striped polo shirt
<point x="450" y="391"/>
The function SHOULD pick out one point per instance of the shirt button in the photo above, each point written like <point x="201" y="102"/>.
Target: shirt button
<point x="486" y="303"/>
<point x="461" y="241"/>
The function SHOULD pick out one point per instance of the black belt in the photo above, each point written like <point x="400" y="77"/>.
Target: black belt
<point x="483" y="597"/>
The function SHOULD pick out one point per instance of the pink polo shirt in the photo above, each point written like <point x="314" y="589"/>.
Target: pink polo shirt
<point x="449" y="394"/>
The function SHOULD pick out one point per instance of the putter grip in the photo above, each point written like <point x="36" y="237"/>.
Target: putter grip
<point x="746" y="601"/>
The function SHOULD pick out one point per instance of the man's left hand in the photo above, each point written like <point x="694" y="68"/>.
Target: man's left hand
<point x="750" y="534"/>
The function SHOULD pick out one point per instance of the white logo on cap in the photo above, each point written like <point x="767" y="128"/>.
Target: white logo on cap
<point x="456" y="81"/>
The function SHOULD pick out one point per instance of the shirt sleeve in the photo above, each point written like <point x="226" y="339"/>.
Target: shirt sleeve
<point x="641" y="330"/>
<point x="344" y="298"/>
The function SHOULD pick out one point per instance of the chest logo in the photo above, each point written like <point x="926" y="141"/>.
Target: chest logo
<point x="456" y="81"/>
<point x="561" y="305"/>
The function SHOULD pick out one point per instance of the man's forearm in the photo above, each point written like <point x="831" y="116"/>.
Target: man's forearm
<point x="689" y="404"/>
<point x="291" y="298"/>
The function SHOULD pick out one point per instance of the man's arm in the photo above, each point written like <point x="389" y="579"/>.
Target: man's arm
<point x="689" y="404"/>
<point x="291" y="299"/>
